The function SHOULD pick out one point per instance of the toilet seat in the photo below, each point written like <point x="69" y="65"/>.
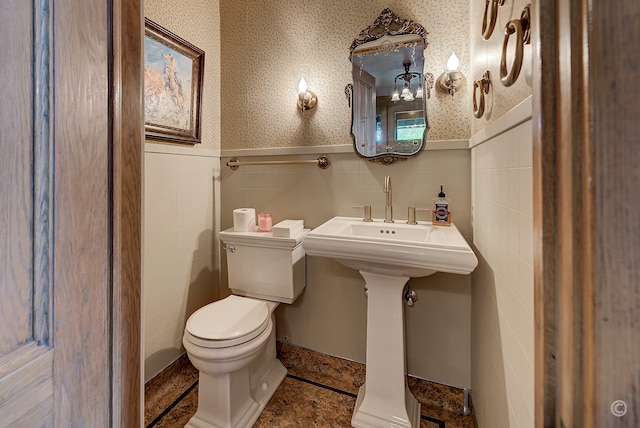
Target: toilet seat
<point x="229" y="322"/>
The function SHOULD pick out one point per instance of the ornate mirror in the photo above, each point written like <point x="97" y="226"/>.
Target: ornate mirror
<point x="389" y="90"/>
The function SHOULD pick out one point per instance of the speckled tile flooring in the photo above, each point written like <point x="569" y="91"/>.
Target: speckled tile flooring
<point x="319" y="391"/>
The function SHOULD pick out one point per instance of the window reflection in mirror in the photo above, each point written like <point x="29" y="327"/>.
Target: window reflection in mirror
<point x="410" y="127"/>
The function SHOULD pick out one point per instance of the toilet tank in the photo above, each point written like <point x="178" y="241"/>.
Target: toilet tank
<point x="263" y="266"/>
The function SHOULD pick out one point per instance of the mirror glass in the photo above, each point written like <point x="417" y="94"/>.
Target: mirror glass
<point x="389" y="89"/>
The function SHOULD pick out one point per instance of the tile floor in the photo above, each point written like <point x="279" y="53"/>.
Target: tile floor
<point x="319" y="391"/>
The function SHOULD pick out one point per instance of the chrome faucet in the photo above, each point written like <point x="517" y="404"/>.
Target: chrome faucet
<point x="388" y="209"/>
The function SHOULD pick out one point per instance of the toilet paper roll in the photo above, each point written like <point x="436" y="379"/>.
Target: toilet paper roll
<point x="244" y="220"/>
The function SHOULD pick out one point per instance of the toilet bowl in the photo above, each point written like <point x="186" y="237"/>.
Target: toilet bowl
<point x="228" y="341"/>
<point x="232" y="341"/>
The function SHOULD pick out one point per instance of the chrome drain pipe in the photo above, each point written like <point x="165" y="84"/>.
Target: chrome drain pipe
<point x="467" y="404"/>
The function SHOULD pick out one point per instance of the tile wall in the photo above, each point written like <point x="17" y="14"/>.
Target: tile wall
<point x="180" y="272"/>
<point x="502" y="315"/>
<point x="330" y="316"/>
<point x="502" y="309"/>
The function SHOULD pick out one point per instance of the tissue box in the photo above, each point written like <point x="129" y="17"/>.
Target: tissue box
<point x="288" y="228"/>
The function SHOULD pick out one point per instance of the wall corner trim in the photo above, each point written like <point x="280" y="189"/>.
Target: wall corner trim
<point x="514" y="117"/>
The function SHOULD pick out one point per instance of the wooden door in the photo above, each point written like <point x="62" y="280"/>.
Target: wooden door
<point x="70" y="213"/>
<point x="26" y="360"/>
<point x="586" y="213"/>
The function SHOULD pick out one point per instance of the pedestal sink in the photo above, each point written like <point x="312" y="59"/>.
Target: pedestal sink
<point x="387" y="255"/>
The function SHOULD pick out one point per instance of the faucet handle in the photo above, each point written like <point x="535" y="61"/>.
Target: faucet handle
<point x="411" y="214"/>
<point x="366" y="212"/>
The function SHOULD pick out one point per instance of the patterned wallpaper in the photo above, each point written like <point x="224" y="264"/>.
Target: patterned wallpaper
<point x="196" y="21"/>
<point x="264" y="42"/>
<point x="253" y="48"/>
<point x="486" y="55"/>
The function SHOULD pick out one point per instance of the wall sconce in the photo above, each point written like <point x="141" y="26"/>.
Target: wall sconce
<point x="307" y="100"/>
<point x="452" y="79"/>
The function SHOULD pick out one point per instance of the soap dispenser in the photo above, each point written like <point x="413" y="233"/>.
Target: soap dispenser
<point x="441" y="214"/>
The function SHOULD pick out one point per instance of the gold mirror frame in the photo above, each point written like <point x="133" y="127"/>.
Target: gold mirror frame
<point x="389" y="24"/>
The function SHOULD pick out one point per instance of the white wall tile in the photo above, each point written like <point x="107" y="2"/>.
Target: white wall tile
<point x="503" y="324"/>
<point x="333" y="296"/>
<point x="179" y="262"/>
<point x="525" y="181"/>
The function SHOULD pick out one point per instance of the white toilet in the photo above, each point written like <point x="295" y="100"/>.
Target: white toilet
<point x="232" y="341"/>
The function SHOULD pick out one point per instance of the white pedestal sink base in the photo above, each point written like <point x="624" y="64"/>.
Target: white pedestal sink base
<point x="385" y="400"/>
<point x="364" y="418"/>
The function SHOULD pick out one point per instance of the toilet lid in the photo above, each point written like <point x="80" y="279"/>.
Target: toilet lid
<point x="233" y="320"/>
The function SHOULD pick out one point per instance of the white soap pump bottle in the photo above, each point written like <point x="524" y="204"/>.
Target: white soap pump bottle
<point x="441" y="214"/>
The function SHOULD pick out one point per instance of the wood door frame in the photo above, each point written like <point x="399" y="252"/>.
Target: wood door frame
<point x="127" y="159"/>
<point x="544" y="191"/>
<point x="563" y="267"/>
<point x="98" y="136"/>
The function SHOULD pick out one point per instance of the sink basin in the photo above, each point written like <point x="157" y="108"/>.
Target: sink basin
<point x="397" y="249"/>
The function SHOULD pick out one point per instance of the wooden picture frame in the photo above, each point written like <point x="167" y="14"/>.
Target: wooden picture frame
<point x="173" y="75"/>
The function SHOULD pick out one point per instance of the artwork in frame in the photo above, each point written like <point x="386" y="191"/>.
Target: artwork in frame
<point x="173" y="72"/>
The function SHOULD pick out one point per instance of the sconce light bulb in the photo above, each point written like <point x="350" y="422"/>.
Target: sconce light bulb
<point x="453" y="62"/>
<point x="302" y="86"/>
<point x="306" y="99"/>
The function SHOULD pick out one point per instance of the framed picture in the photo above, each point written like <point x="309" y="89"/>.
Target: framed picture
<point x="173" y="73"/>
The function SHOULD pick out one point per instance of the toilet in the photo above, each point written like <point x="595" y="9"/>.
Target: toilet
<point x="232" y="342"/>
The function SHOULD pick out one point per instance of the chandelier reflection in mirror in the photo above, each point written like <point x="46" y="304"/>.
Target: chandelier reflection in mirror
<point x="407" y="93"/>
